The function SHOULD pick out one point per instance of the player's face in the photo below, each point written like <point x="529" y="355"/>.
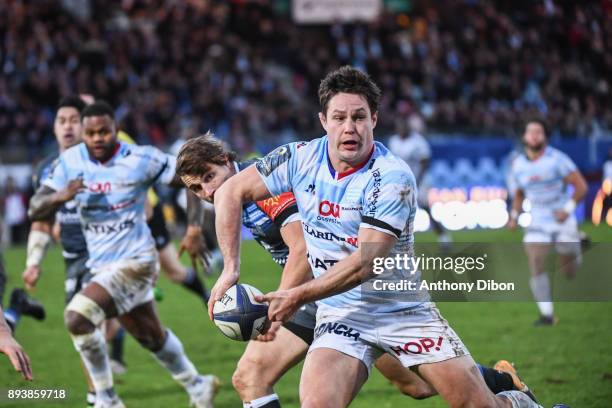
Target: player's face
<point x="350" y="127"/>
<point x="206" y="185"/>
<point x="67" y="127"/>
<point x="99" y="134"/>
<point x="535" y="136"/>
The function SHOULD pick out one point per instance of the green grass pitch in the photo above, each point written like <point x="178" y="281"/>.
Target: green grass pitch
<point x="571" y="362"/>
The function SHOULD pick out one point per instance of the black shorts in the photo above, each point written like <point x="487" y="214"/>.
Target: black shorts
<point x="302" y="324"/>
<point x="157" y="225"/>
<point x="77" y="276"/>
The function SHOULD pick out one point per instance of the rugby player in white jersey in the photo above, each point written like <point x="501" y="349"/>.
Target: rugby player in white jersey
<point x="410" y="145"/>
<point x="108" y="181"/>
<point x="352" y="193"/>
<point x="542" y="175"/>
<point x="204" y="163"/>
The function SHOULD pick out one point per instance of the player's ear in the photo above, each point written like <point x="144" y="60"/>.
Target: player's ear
<point x="374" y="119"/>
<point x="323" y="120"/>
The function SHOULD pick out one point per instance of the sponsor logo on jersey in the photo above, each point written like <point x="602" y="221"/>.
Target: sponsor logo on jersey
<point x="338" y="329"/>
<point x="375" y="193"/>
<point x="324" y="264"/>
<point x="330" y="212"/>
<point x="328" y="236"/>
<point x="109" y="228"/>
<point x="419" y="346"/>
<point x="100" y="187"/>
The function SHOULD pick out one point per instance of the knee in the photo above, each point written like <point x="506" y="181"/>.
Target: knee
<point x="250" y="372"/>
<point x="77" y="323"/>
<point x="150" y="342"/>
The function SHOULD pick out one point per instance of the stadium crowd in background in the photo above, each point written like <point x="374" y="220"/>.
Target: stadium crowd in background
<point x="247" y="71"/>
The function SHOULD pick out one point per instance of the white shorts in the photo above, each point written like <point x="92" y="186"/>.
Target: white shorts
<point x="129" y="282"/>
<point x="565" y="236"/>
<point x="414" y="337"/>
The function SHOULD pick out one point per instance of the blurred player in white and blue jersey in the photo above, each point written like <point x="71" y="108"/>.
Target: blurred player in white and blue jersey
<point x="357" y="202"/>
<point x="542" y="175"/>
<point x="108" y="181"/>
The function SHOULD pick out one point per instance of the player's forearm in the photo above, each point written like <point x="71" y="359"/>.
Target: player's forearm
<point x="44" y="205"/>
<point x="38" y="242"/>
<point x="517" y="204"/>
<point x="343" y="276"/>
<point x="228" y="220"/>
<point x="296" y="271"/>
<point x="195" y="210"/>
<point x="580" y="188"/>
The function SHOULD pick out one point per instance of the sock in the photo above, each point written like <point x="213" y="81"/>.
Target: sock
<point x="117" y="345"/>
<point x="497" y="381"/>
<point x="12" y="317"/>
<point x="172" y="357"/>
<point x="268" y="401"/>
<point x="519" y="399"/>
<point x="92" y="348"/>
<point x="193" y="283"/>
<point x="91" y="398"/>
<point x="540" y="287"/>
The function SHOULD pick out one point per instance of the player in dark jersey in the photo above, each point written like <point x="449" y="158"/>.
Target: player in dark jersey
<point x="204" y="164"/>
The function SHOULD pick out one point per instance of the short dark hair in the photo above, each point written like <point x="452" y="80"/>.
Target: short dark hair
<point x="98" y="108"/>
<point x="540" y="122"/>
<point x="72" y="101"/>
<point x="198" y="153"/>
<point x="349" y="80"/>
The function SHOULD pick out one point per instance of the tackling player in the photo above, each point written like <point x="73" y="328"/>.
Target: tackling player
<point x="108" y="180"/>
<point x="542" y="175"/>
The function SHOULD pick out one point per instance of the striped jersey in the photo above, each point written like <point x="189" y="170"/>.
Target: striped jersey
<point x="378" y="194"/>
<point x="68" y="215"/>
<point x="112" y="205"/>
<point x="542" y="182"/>
<point x="265" y="219"/>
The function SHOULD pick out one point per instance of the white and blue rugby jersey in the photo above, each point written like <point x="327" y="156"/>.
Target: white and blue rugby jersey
<point x="379" y="194"/>
<point x="542" y="182"/>
<point x="112" y="205"/>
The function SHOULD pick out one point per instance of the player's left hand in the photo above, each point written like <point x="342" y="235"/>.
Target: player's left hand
<point x="282" y="304"/>
<point x="561" y="215"/>
<point x="18" y="357"/>
<point x="193" y="243"/>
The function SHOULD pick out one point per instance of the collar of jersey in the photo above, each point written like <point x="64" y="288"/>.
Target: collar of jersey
<point x="117" y="148"/>
<point x="338" y="176"/>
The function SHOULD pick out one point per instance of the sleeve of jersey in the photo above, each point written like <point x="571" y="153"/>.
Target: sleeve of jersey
<point x="425" y="151"/>
<point x="279" y="208"/>
<point x="57" y="178"/>
<point x="162" y="166"/>
<point x="277" y="168"/>
<point x="389" y="202"/>
<point x="566" y="165"/>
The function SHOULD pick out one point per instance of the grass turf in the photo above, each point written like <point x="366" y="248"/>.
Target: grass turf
<point x="568" y="363"/>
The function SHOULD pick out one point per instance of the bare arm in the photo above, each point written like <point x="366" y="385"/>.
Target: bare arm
<point x="10" y="347"/>
<point x="246" y="186"/>
<point x="297" y="269"/>
<point x="38" y="242"/>
<point x="344" y="275"/>
<point x="515" y="210"/>
<point x="45" y="203"/>
<point x="576" y="179"/>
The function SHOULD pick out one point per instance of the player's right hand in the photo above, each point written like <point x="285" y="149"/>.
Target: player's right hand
<point x="30" y="276"/>
<point x="226" y="280"/>
<point x="15" y="353"/>
<point x="74" y="187"/>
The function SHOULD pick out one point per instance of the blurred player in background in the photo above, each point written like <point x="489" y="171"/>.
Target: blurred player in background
<point x="204" y="164"/>
<point x="108" y="180"/>
<point x="603" y="200"/>
<point x="542" y="175"/>
<point x="410" y="145"/>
